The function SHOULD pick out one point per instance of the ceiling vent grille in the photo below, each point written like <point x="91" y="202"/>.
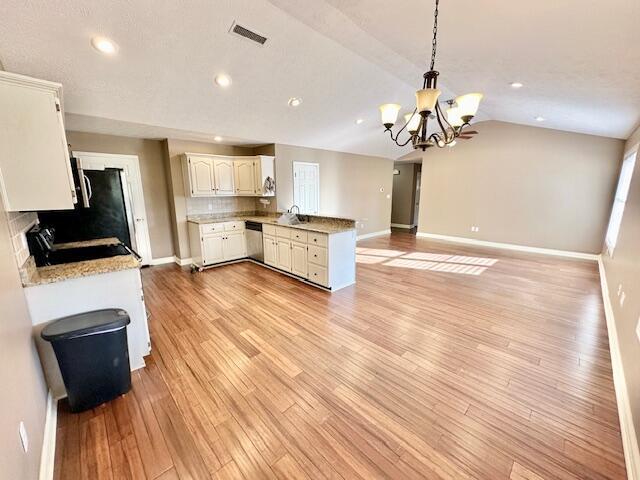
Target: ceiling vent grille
<point x="248" y="34"/>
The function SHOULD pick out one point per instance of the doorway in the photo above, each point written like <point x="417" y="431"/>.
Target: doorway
<point x="405" y="203"/>
<point x="306" y="187"/>
<point x="128" y="168"/>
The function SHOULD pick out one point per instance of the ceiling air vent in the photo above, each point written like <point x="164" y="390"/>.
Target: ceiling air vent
<point x="246" y="33"/>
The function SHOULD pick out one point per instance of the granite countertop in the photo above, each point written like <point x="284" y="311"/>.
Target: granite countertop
<point x="318" y="224"/>
<point x="33" y="276"/>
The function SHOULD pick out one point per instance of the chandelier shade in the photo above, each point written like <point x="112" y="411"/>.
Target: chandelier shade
<point x="447" y="127"/>
<point x="389" y="113"/>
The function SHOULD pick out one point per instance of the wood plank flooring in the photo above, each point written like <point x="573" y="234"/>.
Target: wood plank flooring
<point x="442" y="362"/>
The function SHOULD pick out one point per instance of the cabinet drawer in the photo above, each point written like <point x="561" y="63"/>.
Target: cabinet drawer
<point x="211" y="228"/>
<point x="318" y="274"/>
<point x="231" y="226"/>
<point x="283" y="232"/>
<point x="268" y="229"/>
<point x="298" y="235"/>
<point x="317" y="255"/>
<point x="317" y="239"/>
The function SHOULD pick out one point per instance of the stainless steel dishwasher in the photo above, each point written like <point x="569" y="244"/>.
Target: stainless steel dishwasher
<point x="255" y="249"/>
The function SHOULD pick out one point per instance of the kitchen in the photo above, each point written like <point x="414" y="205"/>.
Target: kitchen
<point x="81" y="225"/>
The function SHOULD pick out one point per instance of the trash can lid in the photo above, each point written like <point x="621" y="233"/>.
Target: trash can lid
<point x="88" y="323"/>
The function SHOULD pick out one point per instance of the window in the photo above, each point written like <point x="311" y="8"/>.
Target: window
<point x="624" y="182"/>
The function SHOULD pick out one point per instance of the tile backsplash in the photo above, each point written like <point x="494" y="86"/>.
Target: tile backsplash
<point x="215" y="205"/>
<point x="19" y="223"/>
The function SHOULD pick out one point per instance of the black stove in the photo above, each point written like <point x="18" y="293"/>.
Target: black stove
<point x="42" y="247"/>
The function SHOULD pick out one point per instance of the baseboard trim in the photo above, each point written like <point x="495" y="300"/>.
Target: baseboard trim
<point x="402" y="225"/>
<point x="373" y="234"/>
<point x="48" y="455"/>
<point x="183" y="261"/>
<point x="162" y="260"/>
<point x="627" y="429"/>
<point x="510" y="246"/>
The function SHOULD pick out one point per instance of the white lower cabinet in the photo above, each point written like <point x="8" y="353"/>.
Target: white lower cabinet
<point x="318" y="274"/>
<point x="299" y="259"/>
<point x="217" y="242"/>
<point x="234" y="245"/>
<point x="212" y="249"/>
<point x="270" y="251"/>
<point x="284" y="254"/>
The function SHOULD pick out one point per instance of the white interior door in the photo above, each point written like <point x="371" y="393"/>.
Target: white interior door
<point x="306" y="187"/>
<point x="130" y="165"/>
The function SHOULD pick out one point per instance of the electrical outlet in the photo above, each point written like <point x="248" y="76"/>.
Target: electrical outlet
<point x="24" y="438"/>
<point x="474" y="228"/>
<point x="622" y="297"/>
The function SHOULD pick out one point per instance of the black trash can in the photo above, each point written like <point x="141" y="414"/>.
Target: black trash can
<point x="92" y="352"/>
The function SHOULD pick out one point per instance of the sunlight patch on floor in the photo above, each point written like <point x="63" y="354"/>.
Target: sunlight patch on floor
<point x="436" y="262"/>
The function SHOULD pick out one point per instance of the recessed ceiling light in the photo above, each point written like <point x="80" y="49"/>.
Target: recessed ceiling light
<point x="516" y="85"/>
<point x="294" y="102"/>
<point x="104" y="45"/>
<point x="217" y="138"/>
<point x="223" y="80"/>
<point x="359" y="121"/>
<point x="539" y="119"/>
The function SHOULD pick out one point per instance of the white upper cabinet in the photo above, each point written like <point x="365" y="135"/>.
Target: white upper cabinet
<point x="265" y="176"/>
<point x="201" y="176"/>
<point x="224" y="176"/>
<point x="245" y="176"/>
<point x="210" y="175"/>
<point x="34" y="157"/>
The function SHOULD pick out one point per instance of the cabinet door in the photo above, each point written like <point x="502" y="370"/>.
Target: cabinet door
<point x="299" y="259"/>
<point x="270" y="252"/>
<point x="34" y="157"/>
<point x="212" y="248"/>
<point x="245" y="177"/>
<point x="224" y="177"/>
<point x="234" y="246"/>
<point x="284" y="254"/>
<point x="201" y="177"/>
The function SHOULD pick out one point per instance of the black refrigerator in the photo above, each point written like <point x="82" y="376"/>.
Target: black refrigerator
<point x="106" y="215"/>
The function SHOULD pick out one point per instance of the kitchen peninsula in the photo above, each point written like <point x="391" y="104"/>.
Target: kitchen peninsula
<point x="319" y="250"/>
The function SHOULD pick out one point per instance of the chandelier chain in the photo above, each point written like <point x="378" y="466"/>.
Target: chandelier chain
<point x="434" y="42"/>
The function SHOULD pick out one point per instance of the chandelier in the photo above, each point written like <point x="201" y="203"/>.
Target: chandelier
<point x="459" y="114"/>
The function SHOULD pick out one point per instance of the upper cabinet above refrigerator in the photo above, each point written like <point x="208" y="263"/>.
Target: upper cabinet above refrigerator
<point x="35" y="172"/>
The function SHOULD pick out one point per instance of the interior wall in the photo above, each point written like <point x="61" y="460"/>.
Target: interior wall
<point x="624" y="269"/>
<point x="154" y="182"/>
<point x="24" y="393"/>
<point x="351" y="186"/>
<point x="522" y="185"/>
<point x="182" y="205"/>
<point x="404" y="193"/>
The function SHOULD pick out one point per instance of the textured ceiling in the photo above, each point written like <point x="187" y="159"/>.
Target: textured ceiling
<point x="580" y="64"/>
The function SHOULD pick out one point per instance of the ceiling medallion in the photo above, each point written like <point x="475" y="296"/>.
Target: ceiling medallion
<point x="459" y="114"/>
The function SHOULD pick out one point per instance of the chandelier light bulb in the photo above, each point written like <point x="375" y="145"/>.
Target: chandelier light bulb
<point x="426" y="99"/>
<point x="453" y="117"/>
<point x="468" y="105"/>
<point x="389" y="114"/>
<point x="413" y="122"/>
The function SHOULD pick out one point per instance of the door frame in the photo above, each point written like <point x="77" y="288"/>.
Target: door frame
<point x="317" y="165"/>
<point x="130" y="165"/>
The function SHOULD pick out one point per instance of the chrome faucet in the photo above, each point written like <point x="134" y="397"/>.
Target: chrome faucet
<point x="296" y="207"/>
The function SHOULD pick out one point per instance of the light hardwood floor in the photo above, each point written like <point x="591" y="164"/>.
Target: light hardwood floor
<point x="442" y="362"/>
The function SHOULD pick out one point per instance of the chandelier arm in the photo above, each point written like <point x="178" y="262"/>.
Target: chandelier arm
<point x="439" y="117"/>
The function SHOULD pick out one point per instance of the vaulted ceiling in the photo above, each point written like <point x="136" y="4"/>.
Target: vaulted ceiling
<point x="579" y="61"/>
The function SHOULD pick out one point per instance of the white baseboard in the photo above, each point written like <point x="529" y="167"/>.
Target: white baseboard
<point x="373" y="234"/>
<point x="629" y="438"/>
<point x="183" y="261"/>
<point x="510" y="246"/>
<point x="162" y="260"/>
<point x="402" y="225"/>
<point x="48" y="455"/>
